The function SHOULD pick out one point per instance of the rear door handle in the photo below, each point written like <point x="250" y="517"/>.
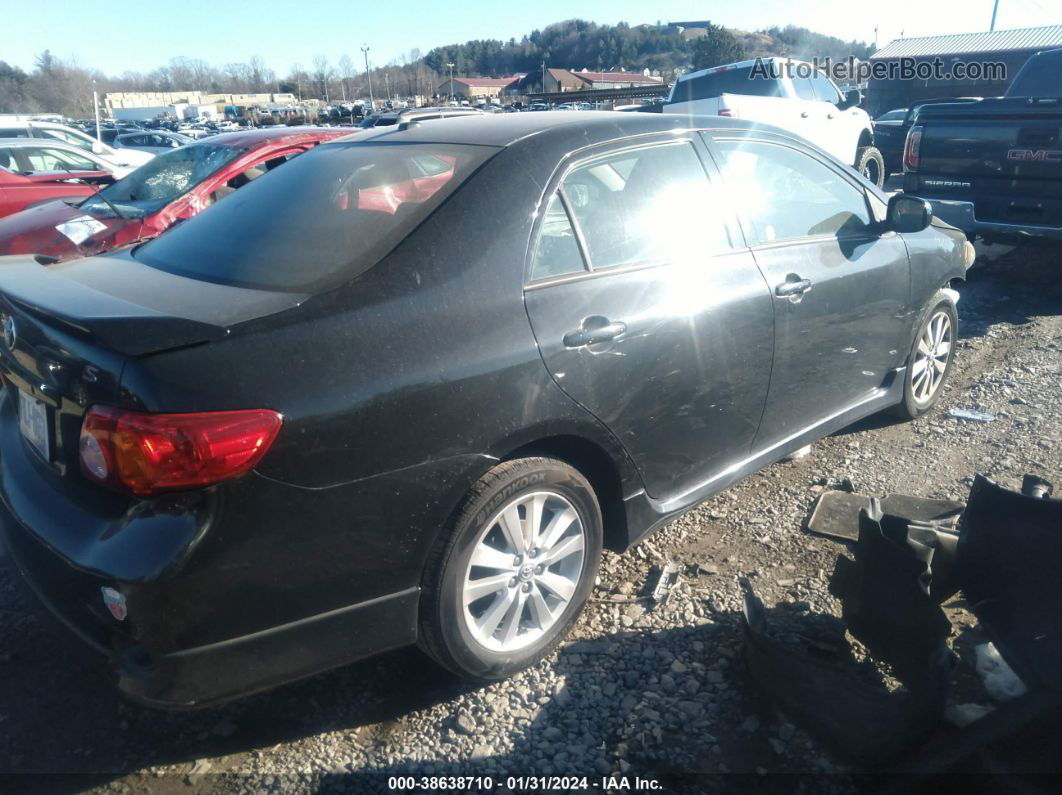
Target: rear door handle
<point x="788" y="288"/>
<point x="590" y="336"/>
<point x="803" y="114"/>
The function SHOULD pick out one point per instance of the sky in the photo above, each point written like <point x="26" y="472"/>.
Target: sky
<point x="284" y="33"/>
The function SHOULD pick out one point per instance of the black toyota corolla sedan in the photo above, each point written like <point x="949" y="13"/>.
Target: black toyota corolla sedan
<point x="404" y="389"/>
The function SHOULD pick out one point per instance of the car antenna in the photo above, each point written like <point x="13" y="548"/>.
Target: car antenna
<point x="96" y="188"/>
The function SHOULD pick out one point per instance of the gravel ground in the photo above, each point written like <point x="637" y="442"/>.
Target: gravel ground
<point x="653" y="691"/>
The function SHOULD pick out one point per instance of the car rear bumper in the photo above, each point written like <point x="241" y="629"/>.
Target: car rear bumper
<point x="72" y="601"/>
<point x="205" y="614"/>
<point x="961" y="215"/>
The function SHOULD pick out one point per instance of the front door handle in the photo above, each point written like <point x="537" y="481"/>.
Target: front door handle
<point x="593" y="335"/>
<point x="803" y="114"/>
<point x="790" y="288"/>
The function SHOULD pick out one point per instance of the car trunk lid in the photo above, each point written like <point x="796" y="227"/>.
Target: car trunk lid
<point x="68" y="330"/>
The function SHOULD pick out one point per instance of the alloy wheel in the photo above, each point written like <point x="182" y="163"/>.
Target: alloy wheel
<point x="931" y="357"/>
<point x="524" y="570"/>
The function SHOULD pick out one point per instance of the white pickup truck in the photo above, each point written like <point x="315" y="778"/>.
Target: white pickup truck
<point x="772" y="90"/>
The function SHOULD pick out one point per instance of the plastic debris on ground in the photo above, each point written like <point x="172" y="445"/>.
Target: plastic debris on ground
<point x="971" y="415"/>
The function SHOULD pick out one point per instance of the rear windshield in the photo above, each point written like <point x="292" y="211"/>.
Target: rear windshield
<point x="732" y="81"/>
<point x="161" y="180"/>
<point x="1039" y="77"/>
<point x="325" y="217"/>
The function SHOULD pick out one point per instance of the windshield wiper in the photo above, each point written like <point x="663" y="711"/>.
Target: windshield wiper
<point x="96" y="188"/>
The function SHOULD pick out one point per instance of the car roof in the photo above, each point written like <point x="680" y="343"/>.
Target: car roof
<point x="261" y="137"/>
<point x="504" y="129"/>
<point x="52" y="143"/>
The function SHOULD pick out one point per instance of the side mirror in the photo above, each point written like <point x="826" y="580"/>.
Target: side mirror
<point x="98" y="148"/>
<point x="908" y="214"/>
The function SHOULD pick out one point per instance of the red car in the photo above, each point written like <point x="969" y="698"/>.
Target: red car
<point x="21" y="185"/>
<point x="172" y="187"/>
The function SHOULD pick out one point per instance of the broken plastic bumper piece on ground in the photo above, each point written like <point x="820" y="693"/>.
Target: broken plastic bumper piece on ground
<point x="908" y="558"/>
<point x="888" y="608"/>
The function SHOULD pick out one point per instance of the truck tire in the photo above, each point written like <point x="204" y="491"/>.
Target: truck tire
<point x="870" y="164"/>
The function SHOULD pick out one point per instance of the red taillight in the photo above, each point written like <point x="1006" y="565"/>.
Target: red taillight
<point x="151" y="453"/>
<point x="911" y="147"/>
<point x="730" y="113"/>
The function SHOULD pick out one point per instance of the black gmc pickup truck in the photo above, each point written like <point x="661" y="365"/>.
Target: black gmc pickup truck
<point x="993" y="167"/>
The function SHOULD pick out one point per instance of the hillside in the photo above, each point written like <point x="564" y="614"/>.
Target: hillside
<point x="663" y="49"/>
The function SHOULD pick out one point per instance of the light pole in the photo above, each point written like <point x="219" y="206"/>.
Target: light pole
<point x="96" y="108"/>
<point x="365" y="50"/>
<point x="451" y="81"/>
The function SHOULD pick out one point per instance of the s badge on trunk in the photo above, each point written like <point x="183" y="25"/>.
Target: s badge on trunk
<point x="10" y="332"/>
<point x="115" y="602"/>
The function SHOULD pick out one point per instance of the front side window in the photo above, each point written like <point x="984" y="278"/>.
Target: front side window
<point x="45" y="159"/>
<point x="825" y="89"/>
<point x="782" y="193"/>
<point x="646" y="205"/>
<point x="324" y="218"/>
<point x="803" y="88"/>
<point x="161" y="180"/>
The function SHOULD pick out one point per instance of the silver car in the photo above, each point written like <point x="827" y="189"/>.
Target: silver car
<point x="154" y="141"/>
<point x="47" y="156"/>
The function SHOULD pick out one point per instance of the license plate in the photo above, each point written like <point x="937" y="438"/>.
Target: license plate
<point x="33" y="422"/>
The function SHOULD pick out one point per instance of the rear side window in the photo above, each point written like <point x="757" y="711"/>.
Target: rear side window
<point x="731" y="81"/>
<point x="1039" y="76"/>
<point x="325" y="217"/>
<point x="556" y="252"/>
<point x="65" y="137"/>
<point x="782" y="193"/>
<point x="45" y="159"/>
<point x="14" y="132"/>
<point x="646" y="205"/>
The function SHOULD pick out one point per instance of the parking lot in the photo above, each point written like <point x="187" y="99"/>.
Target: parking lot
<point x="638" y="689"/>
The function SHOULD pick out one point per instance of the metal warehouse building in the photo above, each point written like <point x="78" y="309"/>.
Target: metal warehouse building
<point x="1010" y="47"/>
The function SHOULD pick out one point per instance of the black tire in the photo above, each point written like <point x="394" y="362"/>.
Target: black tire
<point x="443" y="632"/>
<point x="912" y="407"/>
<point x="870" y="164"/>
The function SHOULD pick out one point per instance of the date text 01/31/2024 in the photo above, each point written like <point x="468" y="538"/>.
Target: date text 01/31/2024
<point x="520" y="783"/>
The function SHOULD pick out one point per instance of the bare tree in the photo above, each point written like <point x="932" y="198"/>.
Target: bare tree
<point x="235" y="77"/>
<point x="346" y="76"/>
<point x="260" y="77"/>
<point x="204" y="76"/>
<point x="299" y="78"/>
<point x="321" y="73"/>
<point x="181" y="73"/>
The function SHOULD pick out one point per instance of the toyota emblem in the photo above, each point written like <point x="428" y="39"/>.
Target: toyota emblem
<point x="10" y="335"/>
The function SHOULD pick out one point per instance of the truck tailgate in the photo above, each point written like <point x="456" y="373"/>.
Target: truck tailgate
<point x="1004" y="155"/>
